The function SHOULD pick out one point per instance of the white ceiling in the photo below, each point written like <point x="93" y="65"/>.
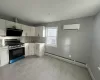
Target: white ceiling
<point x="39" y="11"/>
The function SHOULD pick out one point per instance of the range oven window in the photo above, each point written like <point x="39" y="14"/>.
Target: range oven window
<point x="15" y="53"/>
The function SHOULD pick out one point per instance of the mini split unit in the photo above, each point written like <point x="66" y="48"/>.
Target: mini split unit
<point x="71" y="27"/>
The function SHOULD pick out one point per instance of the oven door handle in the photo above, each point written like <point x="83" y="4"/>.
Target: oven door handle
<point x="16" y="48"/>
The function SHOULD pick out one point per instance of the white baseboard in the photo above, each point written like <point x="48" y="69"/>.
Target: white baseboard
<point x="74" y="62"/>
<point x="91" y="74"/>
<point x="67" y="60"/>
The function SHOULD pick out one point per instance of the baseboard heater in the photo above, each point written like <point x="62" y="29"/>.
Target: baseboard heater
<point x="67" y="60"/>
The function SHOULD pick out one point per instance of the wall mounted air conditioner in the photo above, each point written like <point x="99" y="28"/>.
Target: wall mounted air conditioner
<point x="71" y="27"/>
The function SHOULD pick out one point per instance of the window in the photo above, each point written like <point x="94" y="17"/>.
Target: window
<point x="51" y="36"/>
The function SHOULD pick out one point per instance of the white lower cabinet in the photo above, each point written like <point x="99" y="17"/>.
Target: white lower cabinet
<point x="39" y="49"/>
<point x="26" y="49"/>
<point x="4" y="56"/>
<point x="29" y="49"/>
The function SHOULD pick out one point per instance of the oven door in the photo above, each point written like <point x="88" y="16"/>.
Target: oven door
<point x="15" y="53"/>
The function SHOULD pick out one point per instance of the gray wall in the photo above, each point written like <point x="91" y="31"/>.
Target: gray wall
<point x="95" y="56"/>
<point x="77" y="43"/>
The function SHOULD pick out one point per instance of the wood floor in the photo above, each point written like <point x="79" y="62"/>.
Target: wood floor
<point x="44" y="68"/>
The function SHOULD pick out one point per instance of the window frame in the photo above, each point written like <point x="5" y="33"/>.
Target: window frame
<point x="52" y="45"/>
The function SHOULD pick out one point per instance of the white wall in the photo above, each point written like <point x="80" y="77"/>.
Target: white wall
<point x="80" y="41"/>
<point x="95" y="56"/>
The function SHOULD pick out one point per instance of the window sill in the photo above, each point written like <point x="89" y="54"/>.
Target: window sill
<point x="51" y="45"/>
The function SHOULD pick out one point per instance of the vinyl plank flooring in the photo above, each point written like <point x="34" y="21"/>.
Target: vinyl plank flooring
<point x="44" y="68"/>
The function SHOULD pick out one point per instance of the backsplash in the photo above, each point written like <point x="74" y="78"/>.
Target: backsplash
<point x="33" y="39"/>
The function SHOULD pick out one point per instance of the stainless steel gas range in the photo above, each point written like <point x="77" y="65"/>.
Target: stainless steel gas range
<point x="16" y="49"/>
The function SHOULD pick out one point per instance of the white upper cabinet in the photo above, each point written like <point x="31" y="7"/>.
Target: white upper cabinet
<point x="26" y="30"/>
<point x="10" y="24"/>
<point x="40" y="31"/>
<point x="32" y="29"/>
<point x="18" y="26"/>
<point x="2" y="27"/>
<point x="37" y="33"/>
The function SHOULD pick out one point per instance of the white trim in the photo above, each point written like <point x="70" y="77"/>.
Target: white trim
<point x="51" y="45"/>
<point x="74" y="62"/>
<point x="67" y="60"/>
<point x="91" y="74"/>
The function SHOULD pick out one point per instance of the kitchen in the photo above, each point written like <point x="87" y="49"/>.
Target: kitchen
<point x="49" y="39"/>
<point x="10" y="42"/>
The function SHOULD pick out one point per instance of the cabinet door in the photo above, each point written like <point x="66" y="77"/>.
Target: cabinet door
<point x="40" y="31"/>
<point x="37" y="31"/>
<point x="2" y="27"/>
<point x="32" y="29"/>
<point x="18" y="26"/>
<point x="31" y="48"/>
<point x="4" y="57"/>
<point x="26" y="30"/>
<point x="39" y="49"/>
<point x="26" y="49"/>
<point x="9" y="24"/>
<point x="36" y="49"/>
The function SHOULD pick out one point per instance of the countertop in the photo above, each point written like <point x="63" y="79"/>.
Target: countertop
<point x="3" y="47"/>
